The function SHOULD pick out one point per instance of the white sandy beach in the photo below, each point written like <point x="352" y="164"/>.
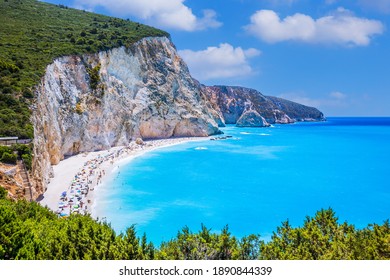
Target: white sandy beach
<point x="79" y="175"/>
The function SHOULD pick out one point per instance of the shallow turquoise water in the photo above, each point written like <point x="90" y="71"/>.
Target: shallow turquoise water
<point x="256" y="180"/>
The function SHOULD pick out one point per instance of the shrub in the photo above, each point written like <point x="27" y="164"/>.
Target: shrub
<point x="79" y="109"/>
<point x="9" y="158"/>
<point x="94" y="78"/>
<point x="3" y="193"/>
<point x="27" y="93"/>
<point x="80" y="41"/>
<point x="27" y="159"/>
<point x="5" y="149"/>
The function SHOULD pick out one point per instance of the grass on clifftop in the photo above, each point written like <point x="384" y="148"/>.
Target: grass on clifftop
<point x="33" y="34"/>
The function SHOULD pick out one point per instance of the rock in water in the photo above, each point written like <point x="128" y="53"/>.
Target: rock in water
<point x="252" y="119"/>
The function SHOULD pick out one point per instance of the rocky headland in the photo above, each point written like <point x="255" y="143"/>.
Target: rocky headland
<point x="248" y="107"/>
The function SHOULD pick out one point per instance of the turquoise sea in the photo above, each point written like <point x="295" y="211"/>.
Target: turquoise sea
<point x="256" y="179"/>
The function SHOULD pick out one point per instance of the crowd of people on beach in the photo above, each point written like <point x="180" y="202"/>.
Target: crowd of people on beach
<point x="75" y="199"/>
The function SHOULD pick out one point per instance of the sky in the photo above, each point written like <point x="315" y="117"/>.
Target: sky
<point x="330" y="54"/>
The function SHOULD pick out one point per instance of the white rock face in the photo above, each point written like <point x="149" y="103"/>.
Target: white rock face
<point x="94" y="102"/>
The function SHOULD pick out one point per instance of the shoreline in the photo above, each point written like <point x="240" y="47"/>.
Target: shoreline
<point x="72" y="190"/>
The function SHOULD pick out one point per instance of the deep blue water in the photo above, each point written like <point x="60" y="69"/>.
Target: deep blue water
<point x="256" y="180"/>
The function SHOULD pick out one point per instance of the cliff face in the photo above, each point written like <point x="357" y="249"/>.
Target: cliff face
<point x="248" y="107"/>
<point x="102" y="100"/>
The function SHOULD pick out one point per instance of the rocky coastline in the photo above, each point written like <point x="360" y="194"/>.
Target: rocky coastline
<point x="97" y="101"/>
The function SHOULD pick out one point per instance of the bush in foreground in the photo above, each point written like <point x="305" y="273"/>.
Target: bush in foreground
<point x="30" y="231"/>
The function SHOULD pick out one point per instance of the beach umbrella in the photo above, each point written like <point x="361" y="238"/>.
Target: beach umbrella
<point x="63" y="214"/>
<point x="63" y="193"/>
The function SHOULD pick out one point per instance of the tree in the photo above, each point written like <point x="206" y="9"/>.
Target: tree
<point x="131" y="242"/>
<point x="250" y="247"/>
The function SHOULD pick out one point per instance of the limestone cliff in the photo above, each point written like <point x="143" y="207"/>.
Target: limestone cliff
<point x="248" y="107"/>
<point x="93" y="102"/>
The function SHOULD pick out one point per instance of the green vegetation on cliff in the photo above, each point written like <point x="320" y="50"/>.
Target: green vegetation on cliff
<point x="17" y="151"/>
<point x="33" y="34"/>
<point x="29" y="231"/>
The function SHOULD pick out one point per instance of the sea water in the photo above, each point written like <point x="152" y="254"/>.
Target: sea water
<point x="255" y="180"/>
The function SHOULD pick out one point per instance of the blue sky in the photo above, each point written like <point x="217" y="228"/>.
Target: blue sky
<point x="330" y="54"/>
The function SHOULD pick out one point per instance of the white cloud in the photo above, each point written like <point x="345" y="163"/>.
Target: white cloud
<point x="167" y="14"/>
<point x="338" y="95"/>
<point x="378" y="5"/>
<point x="208" y="20"/>
<point x="341" y="27"/>
<point x="223" y="61"/>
